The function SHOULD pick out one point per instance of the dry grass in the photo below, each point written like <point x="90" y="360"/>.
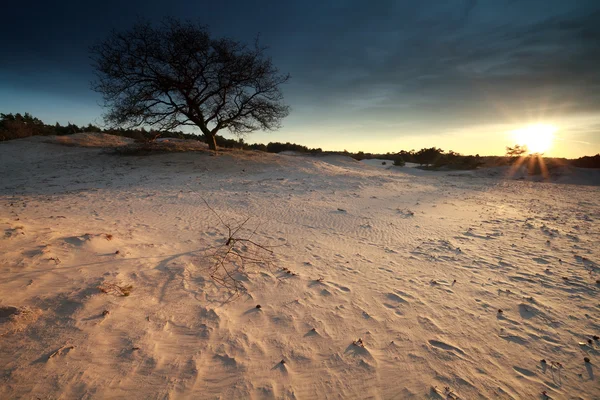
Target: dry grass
<point x="175" y="146"/>
<point x="93" y="140"/>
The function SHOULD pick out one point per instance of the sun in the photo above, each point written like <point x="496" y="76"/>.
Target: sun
<point x="538" y="138"/>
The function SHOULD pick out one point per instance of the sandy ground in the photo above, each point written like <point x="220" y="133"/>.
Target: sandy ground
<point x="384" y="283"/>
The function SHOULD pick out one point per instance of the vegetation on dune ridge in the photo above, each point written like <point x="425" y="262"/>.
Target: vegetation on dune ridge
<point x="16" y="126"/>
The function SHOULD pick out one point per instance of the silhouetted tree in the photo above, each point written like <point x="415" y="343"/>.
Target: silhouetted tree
<point x="516" y="151"/>
<point x="176" y="74"/>
<point x="587" y="162"/>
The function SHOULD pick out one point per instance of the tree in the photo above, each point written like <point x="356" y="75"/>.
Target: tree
<point x="16" y="126"/>
<point x="428" y="156"/>
<point x="516" y="151"/>
<point x="176" y="74"/>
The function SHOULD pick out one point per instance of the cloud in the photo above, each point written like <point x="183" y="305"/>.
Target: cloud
<point x="451" y="65"/>
<point x="388" y="62"/>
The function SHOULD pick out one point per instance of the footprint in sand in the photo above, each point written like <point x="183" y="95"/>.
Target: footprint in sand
<point x="445" y="346"/>
<point x="540" y="260"/>
<point x="281" y="367"/>
<point x="312" y="333"/>
<point x="523" y="371"/>
<point x="226" y="361"/>
<point x="428" y="325"/>
<point x="342" y="288"/>
<point x="359" y="351"/>
<point x="396" y="298"/>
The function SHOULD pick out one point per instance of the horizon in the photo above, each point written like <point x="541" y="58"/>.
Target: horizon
<point x="472" y="78"/>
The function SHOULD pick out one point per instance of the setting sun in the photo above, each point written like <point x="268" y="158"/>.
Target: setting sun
<point x="537" y="138"/>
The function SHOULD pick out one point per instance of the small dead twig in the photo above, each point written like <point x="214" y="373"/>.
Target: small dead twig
<point x="447" y="393"/>
<point x="60" y="351"/>
<point x="55" y="259"/>
<point x="237" y="253"/>
<point x="113" y="288"/>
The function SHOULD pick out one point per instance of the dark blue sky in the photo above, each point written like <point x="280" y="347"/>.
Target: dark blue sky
<point x="378" y="76"/>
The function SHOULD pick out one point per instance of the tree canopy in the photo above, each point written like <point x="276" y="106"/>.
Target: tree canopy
<point x="175" y="74"/>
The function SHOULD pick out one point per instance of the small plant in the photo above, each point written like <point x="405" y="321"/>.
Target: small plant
<point x="406" y="212"/>
<point x="556" y="365"/>
<point x="288" y="271"/>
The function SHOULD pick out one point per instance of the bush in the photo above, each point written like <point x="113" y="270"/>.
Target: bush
<point x="257" y="146"/>
<point x="399" y="162"/>
<point x="428" y="156"/>
<point x="587" y="162"/>
<point x="276" y="147"/>
<point x="229" y="143"/>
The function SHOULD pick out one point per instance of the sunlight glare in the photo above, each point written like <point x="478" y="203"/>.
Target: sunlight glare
<point x="538" y="138"/>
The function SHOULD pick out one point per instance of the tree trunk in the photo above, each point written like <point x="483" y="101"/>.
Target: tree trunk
<point x="211" y="141"/>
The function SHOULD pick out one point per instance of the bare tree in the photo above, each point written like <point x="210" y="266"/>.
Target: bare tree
<point x="175" y="74"/>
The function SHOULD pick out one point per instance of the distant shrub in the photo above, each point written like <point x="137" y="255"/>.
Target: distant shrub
<point x="428" y="156"/>
<point x="360" y="156"/>
<point x="229" y="143"/>
<point x="536" y="165"/>
<point x="257" y="146"/>
<point x="276" y="147"/>
<point x="399" y="162"/>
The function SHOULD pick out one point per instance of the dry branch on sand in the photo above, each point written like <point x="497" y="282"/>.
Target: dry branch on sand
<point x="230" y="260"/>
<point x="113" y="288"/>
<point x="63" y="350"/>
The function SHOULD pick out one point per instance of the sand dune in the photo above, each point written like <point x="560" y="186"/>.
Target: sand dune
<point x="384" y="283"/>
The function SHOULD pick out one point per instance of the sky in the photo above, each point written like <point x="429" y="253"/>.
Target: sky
<point x="376" y="76"/>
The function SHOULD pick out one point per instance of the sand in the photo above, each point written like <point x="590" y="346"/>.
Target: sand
<point x="456" y="284"/>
